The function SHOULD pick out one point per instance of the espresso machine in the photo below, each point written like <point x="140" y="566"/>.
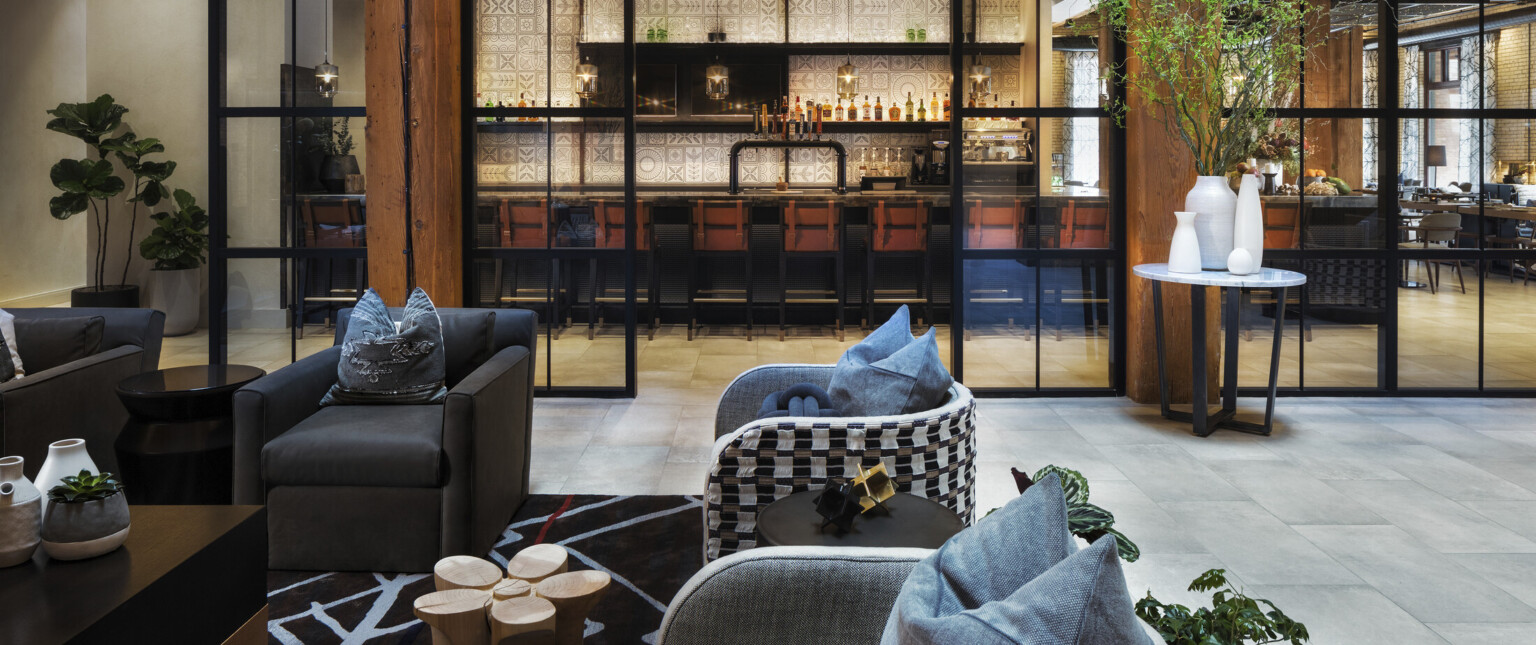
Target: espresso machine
<point x="930" y="164"/>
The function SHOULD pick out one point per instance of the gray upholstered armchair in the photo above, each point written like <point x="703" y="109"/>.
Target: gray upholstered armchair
<point x="76" y="399"/>
<point x="392" y="487"/>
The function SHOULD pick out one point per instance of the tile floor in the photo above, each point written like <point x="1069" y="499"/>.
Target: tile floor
<point x="1371" y="520"/>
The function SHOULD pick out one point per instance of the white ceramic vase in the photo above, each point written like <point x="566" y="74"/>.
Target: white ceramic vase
<point x="21" y="514"/>
<point x="1184" y="251"/>
<point x="65" y="457"/>
<point x="178" y="294"/>
<point x="1215" y="204"/>
<point x="1248" y="222"/>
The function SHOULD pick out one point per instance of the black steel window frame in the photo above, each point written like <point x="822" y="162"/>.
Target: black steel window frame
<point x="219" y="114"/>
<point x="1389" y="115"/>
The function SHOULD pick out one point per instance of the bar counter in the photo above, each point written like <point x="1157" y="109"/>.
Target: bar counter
<point x="683" y="195"/>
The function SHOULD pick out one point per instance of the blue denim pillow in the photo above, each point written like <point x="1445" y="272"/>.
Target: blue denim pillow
<point x="382" y="365"/>
<point x="890" y="372"/>
<point x="1016" y="577"/>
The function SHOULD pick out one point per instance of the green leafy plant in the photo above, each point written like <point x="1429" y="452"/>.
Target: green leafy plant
<point x="85" y="487"/>
<point x="339" y="143"/>
<point x="1084" y="520"/>
<point x="179" y="240"/>
<point x="1232" y="619"/>
<point x="1193" y="58"/>
<point x="90" y="185"/>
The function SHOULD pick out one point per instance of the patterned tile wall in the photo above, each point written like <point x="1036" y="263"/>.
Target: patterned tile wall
<point x="893" y="76"/>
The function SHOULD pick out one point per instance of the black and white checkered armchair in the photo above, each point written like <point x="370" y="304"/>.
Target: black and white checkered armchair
<point x="754" y="462"/>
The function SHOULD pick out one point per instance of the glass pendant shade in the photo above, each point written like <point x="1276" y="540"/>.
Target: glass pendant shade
<point x="586" y="80"/>
<point x="327" y="79"/>
<point x="717" y="81"/>
<point x="847" y="81"/>
<point x="981" y="80"/>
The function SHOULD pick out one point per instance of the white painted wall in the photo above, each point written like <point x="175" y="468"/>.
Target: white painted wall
<point x="42" y="64"/>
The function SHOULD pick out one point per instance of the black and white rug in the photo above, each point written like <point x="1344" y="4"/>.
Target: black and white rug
<point x="650" y="544"/>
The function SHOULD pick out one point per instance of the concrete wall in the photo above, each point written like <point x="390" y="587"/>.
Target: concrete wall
<point x="42" y="64"/>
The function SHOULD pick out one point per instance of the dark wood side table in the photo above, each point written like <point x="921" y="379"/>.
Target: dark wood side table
<point x="178" y="444"/>
<point x="188" y="574"/>
<point x="910" y="521"/>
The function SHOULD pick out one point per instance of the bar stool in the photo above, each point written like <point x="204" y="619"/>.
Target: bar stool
<point x="331" y="223"/>
<point x="720" y="231"/>
<point x="995" y="224"/>
<point x="1084" y="225"/>
<point x="610" y="235"/>
<point x="900" y="230"/>
<point x="812" y="230"/>
<point x="524" y="224"/>
<point x="1282" y="226"/>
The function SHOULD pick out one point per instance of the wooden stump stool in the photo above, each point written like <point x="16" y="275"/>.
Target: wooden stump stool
<point x="511" y="588"/>
<point x="538" y="562"/>
<point x="457" y="616"/>
<point x="528" y="620"/>
<point x="573" y="595"/>
<point x="465" y="572"/>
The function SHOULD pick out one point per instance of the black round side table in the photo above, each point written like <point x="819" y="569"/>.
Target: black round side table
<point x="178" y="444"/>
<point x="911" y="521"/>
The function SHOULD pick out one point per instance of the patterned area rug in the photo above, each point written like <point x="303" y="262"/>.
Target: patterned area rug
<point x="651" y="545"/>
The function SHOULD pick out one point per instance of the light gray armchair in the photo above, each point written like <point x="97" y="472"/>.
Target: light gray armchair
<point x="784" y="595"/>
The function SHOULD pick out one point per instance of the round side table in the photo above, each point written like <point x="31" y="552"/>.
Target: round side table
<point x="911" y="521"/>
<point x="178" y="444"/>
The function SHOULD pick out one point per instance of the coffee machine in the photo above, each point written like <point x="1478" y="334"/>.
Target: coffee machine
<point x="931" y="165"/>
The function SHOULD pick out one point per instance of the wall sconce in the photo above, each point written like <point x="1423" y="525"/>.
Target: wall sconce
<point x="847" y="81"/>
<point x="981" y="80"/>
<point x="586" y="79"/>
<point x="717" y="81"/>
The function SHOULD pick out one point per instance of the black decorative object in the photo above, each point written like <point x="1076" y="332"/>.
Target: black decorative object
<point x="838" y="504"/>
<point x="1269" y="183"/>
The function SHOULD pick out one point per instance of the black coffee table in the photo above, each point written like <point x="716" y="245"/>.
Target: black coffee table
<point x="178" y="444"/>
<point x="187" y="574"/>
<point x="911" y="521"/>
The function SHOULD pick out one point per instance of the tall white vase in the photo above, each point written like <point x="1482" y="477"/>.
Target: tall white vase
<point x="1214" y="202"/>
<point x="21" y="514"/>
<point x="1184" y="251"/>
<point x="1248" y="223"/>
<point x="65" y="457"/>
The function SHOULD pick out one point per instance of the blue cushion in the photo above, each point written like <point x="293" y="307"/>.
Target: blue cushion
<point x="890" y="372"/>
<point x="1016" y="577"/>
<point x="799" y="400"/>
<point x="380" y="365"/>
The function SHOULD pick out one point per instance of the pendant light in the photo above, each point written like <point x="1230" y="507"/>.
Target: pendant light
<point x="847" y="74"/>
<point x="981" y="78"/>
<point x="717" y="81"/>
<point x="327" y="76"/>
<point x="586" y="72"/>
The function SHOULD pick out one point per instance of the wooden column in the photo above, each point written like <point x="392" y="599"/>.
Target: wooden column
<point x="1159" y="171"/>
<point x="1334" y="80"/>
<point x="435" y="230"/>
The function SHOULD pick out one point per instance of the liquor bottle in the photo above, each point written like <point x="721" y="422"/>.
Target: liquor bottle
<point x="933" y="108"/>
<point x="864" y="114"/>
<point x="837" y="112"/>
<point x="500" y="118"/>
<point x="533" y="103"/>
<point x="826" y="111"/>
<point x="922" y="110"/>
<point x="799" y="111"/>
<point x="879" y="110"/>
<point x="909" y="108"/>
<point x="947" y="115"/>
<point x="996" y="102"/>
<point x="894" y="114"/>
<point x="522" y="103"/>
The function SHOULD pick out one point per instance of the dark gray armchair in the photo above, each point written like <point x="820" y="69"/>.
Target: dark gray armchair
<point x="392" y="487"/>
<point x="77" y="399"/>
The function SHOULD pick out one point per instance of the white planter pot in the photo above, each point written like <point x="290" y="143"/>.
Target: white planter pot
<point x="21" y="514"/>
<point x="65" y="457"/>
<point x="1184" y="251"/>
<point x="1215" y="203"/>
<point x="179" y="295"/>
<point x="1248" y="222"/>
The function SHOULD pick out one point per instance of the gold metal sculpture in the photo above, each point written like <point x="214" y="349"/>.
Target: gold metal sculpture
<point x="874" y="486"/>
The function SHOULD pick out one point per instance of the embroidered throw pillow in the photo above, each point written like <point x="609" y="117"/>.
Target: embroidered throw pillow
<point x="382" y="364"/>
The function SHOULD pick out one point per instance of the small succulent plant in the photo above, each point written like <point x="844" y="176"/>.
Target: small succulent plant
<point x="85" y="487"/>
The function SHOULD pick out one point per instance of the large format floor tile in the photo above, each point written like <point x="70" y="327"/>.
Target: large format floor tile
<point x="1257" y="546"/>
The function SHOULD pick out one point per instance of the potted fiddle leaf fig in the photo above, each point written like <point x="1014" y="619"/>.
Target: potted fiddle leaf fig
<point x="87" y="516"/>
<point x="177" y="246"/>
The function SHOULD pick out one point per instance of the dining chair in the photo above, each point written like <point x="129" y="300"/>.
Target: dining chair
<point x="997" y="223"/>
<point x="1435" y="231"/>
<point x="330" y="223"/>
<point x="1085" y="224"/>
<point x="608" y="281"/>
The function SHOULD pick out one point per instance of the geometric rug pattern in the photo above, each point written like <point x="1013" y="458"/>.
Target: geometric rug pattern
<point x="650" y="544"/>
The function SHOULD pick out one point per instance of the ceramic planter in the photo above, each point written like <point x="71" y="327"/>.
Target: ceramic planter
<point x="1214" y="204"/>
<point x="21" y="514"/>
<point x="334" y="171"/>
<point x="178" y="293"/>
<point x="65" y="457"/>
<point x="79" y="530"/>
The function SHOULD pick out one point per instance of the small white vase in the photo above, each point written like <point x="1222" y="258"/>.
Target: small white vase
<point x="21" y="514"/>
<point x="1215" y="204"/>
<point x="65" y="457"/>
<point x="1248" y="223"/>
<point x="177" y="294"/>
<point x="1184" y="250"/>
<point x="1240" y="263"/>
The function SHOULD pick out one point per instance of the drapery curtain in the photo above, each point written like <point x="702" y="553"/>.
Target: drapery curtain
<point x="1476" y="157"/>
<point x="1370" y="74"/>
<point x="1080" y="135"/>
<point x="1411" y="141"/>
